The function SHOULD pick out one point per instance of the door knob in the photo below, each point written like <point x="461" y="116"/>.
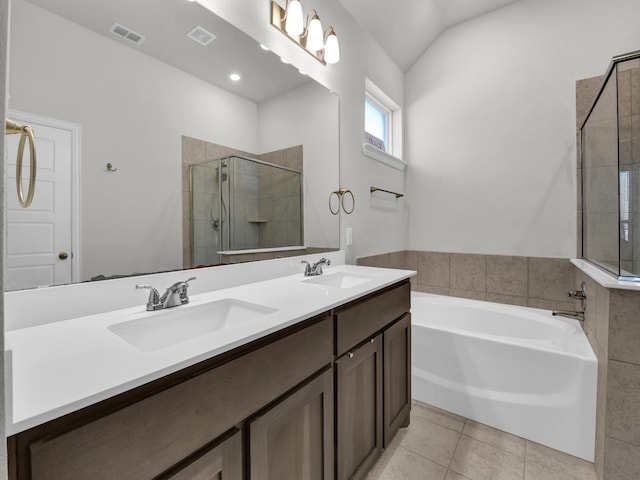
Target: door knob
<point x="63" y="255"/>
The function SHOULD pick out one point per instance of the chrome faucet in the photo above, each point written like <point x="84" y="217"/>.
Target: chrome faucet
<point x="581" y="294"/>
<point x="316" y="268"/>
<point x="174" y="296"/>
<point x="578" y="315"/>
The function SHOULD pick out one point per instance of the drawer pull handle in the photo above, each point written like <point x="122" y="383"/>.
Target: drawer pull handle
<point x="350" y="354"/>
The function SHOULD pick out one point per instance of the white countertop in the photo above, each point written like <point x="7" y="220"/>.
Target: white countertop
<point x="60" y="367"/>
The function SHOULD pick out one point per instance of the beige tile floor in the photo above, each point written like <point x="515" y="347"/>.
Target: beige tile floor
<point x="439" y="445"/>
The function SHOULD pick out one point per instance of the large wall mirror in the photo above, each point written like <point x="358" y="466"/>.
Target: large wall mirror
<point x="133" y="116"/>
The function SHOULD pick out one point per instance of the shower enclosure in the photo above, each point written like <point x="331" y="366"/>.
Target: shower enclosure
<point x="610" y="167"/>
<point x="239" y="203"/>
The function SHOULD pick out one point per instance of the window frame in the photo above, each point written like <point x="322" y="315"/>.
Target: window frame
<point x="388" y="124"/>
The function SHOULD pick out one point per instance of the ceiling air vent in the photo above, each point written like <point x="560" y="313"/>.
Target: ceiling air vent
<point x="202" y="36"/>
<point x="127" y="34"/>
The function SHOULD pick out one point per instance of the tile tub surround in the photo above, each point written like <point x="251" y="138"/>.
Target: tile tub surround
<point x="439" y="445"/>
<point x="526" y="281"/>
<point x="612" y="325"/>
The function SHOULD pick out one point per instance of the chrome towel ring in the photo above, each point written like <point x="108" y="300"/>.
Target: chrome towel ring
<point x="340" y="194"/>
<point x="26" y="132"/>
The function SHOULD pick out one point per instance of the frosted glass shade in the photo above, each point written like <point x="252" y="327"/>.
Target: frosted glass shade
<point x="331" y="48"/>
<point x="315" y="37"/>
<point x="294" y="24"/>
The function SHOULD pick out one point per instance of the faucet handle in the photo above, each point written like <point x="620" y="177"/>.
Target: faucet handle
<point x="154" y="297"/>
<point x="307" y="269"/>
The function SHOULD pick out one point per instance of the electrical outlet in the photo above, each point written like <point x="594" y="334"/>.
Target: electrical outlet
<point x="349" y="236"/>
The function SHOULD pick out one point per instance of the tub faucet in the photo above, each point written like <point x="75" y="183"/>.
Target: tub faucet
<point x="316" y="268"/>
<point x="578" y="315"/>
<point x="174" y="296"/>
<point x="580" y="294"/>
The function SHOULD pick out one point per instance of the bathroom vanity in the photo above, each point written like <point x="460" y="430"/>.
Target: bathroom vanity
<point x="300" y="392"/>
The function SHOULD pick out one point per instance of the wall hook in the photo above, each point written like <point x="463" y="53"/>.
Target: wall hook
<point x="110" y="167"/>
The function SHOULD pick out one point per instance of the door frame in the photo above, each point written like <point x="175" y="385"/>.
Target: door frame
<point x="74" y="129"/>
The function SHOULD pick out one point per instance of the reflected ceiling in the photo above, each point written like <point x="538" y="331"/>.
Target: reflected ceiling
<point x="165" y="24"/>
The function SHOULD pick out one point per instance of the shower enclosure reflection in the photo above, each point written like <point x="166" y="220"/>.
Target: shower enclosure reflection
<point x="611" y="170"/>
<point x="240" y="203"/>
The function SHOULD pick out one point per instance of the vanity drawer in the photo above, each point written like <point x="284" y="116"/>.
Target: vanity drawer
<point x="144" y="439"/>
<point x="360" y="320"/>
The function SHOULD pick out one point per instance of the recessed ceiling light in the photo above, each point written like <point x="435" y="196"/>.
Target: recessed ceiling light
<point x="235" y="77"/>
<point x="284" y="61"/>
<point x="264" y="47"/>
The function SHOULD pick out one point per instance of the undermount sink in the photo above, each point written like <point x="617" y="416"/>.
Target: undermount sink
<point x="339" y="280"/>
<point x="163" y="329"/>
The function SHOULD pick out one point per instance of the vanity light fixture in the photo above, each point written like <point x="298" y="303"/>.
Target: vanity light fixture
<point x="315" y="37"/>
<point x="331" y="47"/>
<point x="293" y="18"/>
<point x="309" y="35"/>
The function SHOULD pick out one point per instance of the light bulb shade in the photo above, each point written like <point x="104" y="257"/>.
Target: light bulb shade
<point x="331" y="48"/>
<point x="294" y="24"/>
<point x="315" y="37"/>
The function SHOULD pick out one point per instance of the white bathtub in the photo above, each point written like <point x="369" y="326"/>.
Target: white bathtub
<point x="517" y="369"/>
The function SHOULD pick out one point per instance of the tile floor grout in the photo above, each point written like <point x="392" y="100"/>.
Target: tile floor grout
<point x="484" y="457"/>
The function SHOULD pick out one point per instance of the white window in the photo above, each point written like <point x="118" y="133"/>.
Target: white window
<point x="377" y="124"/>
<point x="382" y="127"/>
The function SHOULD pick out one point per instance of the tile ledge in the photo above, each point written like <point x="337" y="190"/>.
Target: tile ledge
<point x="603" y="278"/>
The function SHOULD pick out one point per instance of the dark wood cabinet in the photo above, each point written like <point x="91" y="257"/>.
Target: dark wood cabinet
<point x="359" y="409"/>
<point x="397" y="376"/>
<point x="318" y="400"/>
<point x="294" y="439"/>
<point x="223" y="461"/>
<point x="158" y="426"/>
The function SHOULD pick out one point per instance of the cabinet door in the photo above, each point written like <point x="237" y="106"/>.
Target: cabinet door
<point x="397" y="377"/>
<point x="359" y="409"/>
<point x="294" y="439"/>
<point x="222" y="462"/>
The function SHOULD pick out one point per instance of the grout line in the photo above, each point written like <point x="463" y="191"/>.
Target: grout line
<point x="456" y="447"/>
<point x="486" y="276"/>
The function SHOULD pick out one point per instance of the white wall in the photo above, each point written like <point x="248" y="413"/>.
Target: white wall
<point x="379" y="225"/>
<point x="308" y="115"/>
<point x="131" y="221"/>
<point x="490" y="125"/>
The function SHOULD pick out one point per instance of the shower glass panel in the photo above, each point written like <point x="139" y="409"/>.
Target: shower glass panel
<point x="239" y="203"/>
<point x="610" y="170"/>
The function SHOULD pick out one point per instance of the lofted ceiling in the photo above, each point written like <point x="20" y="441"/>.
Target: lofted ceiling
<point x="406" y="28"/>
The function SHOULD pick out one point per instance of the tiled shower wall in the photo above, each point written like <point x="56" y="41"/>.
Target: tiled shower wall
<point x="612" y="325"/>
<point x="195" y="151"/>
<point x="525" y="281"/>
<point x="612" y="321"/>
